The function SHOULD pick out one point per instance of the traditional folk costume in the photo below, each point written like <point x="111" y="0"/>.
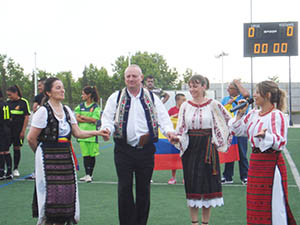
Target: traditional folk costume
<point x="202" y="129"/>
<point x="134" y="121"/>
<point x="267" y="194"/>
<point x="56" y="195"/>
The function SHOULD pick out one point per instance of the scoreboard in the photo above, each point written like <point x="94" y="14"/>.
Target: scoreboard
<point x="271" y="39"/>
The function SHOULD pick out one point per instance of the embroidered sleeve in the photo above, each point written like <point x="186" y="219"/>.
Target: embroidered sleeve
<point x="221" y="136"/>
<point x="181" y="129"/>
<point x="276" y="134"/>
<point x="240" y="127"/>
<point x="163" y="117"/>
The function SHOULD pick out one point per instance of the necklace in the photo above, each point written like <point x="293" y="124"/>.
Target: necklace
<point x="265" y="113"/>
<point x="55" y="112"/>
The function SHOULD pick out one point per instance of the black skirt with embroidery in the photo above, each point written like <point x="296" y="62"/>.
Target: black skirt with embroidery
<point x="201" y="167"/>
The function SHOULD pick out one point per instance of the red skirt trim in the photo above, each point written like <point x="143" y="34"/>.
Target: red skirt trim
<point x="204" y="196"/>
<point x="260" y="186"/>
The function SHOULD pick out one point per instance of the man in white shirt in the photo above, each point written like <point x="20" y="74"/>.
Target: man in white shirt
<point x="133" y="115"/>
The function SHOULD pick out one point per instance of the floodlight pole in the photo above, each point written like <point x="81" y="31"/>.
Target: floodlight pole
<point x="222" y="71"/>
<point x="129" y="59"/>
<point x="35" y="75"/>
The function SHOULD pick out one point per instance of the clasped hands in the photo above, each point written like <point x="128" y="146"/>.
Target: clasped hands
<point x="172" y="138"/>
<point x="105" y="133"/>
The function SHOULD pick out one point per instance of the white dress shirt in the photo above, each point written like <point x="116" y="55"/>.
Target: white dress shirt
<point x="137" y="123"/>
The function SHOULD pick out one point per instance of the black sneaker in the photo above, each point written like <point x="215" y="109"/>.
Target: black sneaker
<point x="244" y="181"/>
<point x="9" y="176"/>
<point x="2" y="177"/>
<point x="224" y="181"/>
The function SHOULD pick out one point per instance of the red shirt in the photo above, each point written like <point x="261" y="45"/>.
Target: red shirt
<point x="174" y="110"/>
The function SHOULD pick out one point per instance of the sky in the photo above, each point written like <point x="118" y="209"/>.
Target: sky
<point x="68" y="35"/>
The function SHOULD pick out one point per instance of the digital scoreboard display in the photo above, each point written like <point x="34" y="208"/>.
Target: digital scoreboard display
<point x="270" y="39"/>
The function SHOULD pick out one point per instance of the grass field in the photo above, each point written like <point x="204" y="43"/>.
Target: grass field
<point x="98" y="200"/>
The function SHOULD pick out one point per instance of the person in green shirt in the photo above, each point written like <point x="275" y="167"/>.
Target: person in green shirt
<point x="87" y="114"/>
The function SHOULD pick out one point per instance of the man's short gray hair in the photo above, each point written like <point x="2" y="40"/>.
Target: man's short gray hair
<point x="135" y="66"/>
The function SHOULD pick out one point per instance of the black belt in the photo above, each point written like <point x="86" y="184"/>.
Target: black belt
<point x="270" y="150"/>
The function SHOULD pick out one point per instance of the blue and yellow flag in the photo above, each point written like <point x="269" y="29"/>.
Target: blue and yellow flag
<point x="166" y="156"/>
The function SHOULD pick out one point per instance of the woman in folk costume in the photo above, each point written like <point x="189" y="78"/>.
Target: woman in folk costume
<point x="266" y="128"/>
<point x="56" y="197"/>
<point x="87" y="114"/>
<point x="202" y="130"/>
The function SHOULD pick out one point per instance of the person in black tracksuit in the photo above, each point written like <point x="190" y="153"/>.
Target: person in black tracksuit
<point x="5" y="157"/>
<point x="19" y="112"/>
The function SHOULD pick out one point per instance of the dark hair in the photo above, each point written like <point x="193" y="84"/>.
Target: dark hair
<point x="43" y="79"/>
<point x="15" y="89"/>
<point x="177" y="96"/>
<point x="47" y="88"/>
<point x="278" y="95"/>
<point x="149" y="77"/>
<point x="93" y="91"/>
<point x="199" y="79"/>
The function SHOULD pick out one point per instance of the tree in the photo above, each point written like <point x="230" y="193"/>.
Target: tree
<point x="13" y="74"/>
<point x="186" y="77"/>
<point x="69" y="84"/>
<point x="151" y="64"/>
<point x="92" y="76"/>
<point x="3" y="74"/>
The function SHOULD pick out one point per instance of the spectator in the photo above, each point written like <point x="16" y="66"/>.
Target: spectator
<point x="236" y="92"/>
<point x="164" y="96"/>
<point x="173" y="112"/>
<point x="87" y="114"/>
<point x="5" y="133"/>
<point x="19" y="111"/>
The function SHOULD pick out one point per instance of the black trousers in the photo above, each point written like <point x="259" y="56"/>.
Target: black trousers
<point x="130" y="162"/>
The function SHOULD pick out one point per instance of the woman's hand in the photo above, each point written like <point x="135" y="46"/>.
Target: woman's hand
<point x="105" y="134"/>
<point x="22" y="134"/>
<point x="243" y="110"/>
<point x="261" y="134"/>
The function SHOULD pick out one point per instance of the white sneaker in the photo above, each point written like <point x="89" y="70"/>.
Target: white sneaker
<point x="88" y="178"/>
<point x="16" y="173"/>
<point x="83" y="178"/>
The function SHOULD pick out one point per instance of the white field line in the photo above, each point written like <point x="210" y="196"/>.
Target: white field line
<point x="293" y="167"/>
<point x="158" y="184"/>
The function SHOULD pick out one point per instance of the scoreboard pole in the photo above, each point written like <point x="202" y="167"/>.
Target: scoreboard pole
<point x="290" y="92"/>
<point x="251" y="59"/>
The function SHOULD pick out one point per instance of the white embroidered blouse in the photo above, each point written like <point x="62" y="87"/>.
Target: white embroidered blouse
<point x="210" y="114"/>
<point x="275" y="122"/>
